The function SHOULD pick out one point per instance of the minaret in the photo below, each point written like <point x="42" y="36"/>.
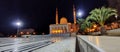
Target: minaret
<point x="74" y="14"/>
<point x="56" y="16"/>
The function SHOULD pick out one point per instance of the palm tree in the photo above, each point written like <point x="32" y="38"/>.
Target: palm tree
<point x="100" y="15"/>
<point x="85" y="26"/>
<point x="79" y="22"/>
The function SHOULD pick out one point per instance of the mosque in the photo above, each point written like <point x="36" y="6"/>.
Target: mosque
<point x="63" y="26"/>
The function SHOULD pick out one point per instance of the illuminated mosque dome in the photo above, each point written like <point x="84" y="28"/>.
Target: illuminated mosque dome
<point x="63" y="20"/>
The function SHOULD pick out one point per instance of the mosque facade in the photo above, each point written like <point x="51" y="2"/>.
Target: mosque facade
<point x="63" y="26"/>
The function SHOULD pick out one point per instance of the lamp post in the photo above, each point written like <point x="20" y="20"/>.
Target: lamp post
<point x="116" y="17"/>
<point x="80" y="13"/>
<point x="18" y="27"/>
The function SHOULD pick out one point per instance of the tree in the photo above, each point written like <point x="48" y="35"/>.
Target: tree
<point x="100" y="15"/>
<point x="114" y="4"/>
<point x="80" y="21"/>
<point x="86" y="26"/>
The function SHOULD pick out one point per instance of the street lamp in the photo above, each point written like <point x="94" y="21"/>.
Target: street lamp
<point x="80" y="13"/>
<point x="19" y="24"/>
<point x="116" y="17"/>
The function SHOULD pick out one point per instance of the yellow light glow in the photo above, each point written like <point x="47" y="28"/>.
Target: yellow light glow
<point x="58" y="31"/>
<point x="94" y="26"/>
<point x="61" y="31"/>
<point x="53" y="31"/>
<point x="71" y="30"/>
<point x="34" y="33"/>
<point x="93" y="29"/>
<point x="28" y="32"/>
<point x="97" y="41"/>
<point x="15" y="36"/>
<point x="90" y="30"/>
<point x="21" y="33"/>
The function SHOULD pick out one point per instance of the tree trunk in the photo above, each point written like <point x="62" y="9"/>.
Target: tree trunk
<point x="103" y="31"/>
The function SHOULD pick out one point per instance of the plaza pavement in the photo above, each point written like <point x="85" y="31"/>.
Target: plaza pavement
<point x="67" y="45"/>
<point x="32" y="44"/>
<point x="22" y="44"/>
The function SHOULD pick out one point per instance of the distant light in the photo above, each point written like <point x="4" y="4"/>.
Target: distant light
<point x="80" y="13"/>
<point x="116" y="16"/>
<point x="18" y="23"/>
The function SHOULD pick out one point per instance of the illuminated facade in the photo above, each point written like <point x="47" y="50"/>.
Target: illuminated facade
<point x="63" y="26"/>
<point x="58" y="29"/>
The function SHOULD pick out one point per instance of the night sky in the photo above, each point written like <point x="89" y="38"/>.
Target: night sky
<point x="39" y="14"/>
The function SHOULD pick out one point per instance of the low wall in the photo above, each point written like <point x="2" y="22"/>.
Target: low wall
<point x="99" y="43"/>
<point x="95" y="33"/>
<point x="114" y="32"/>
<point x="109" y="32"/>
<point x="86" y="46"/>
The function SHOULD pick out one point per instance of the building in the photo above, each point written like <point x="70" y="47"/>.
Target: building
<point x="27" y="32"/>
<point x="63" y="26"/>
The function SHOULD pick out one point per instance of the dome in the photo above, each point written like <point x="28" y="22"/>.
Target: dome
<point x="63" y="20"/>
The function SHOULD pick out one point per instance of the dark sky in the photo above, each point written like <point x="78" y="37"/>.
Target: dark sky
<point x="38" y="14"/>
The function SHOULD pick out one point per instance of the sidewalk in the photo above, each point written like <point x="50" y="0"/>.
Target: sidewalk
<point x="67" y="45"/>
